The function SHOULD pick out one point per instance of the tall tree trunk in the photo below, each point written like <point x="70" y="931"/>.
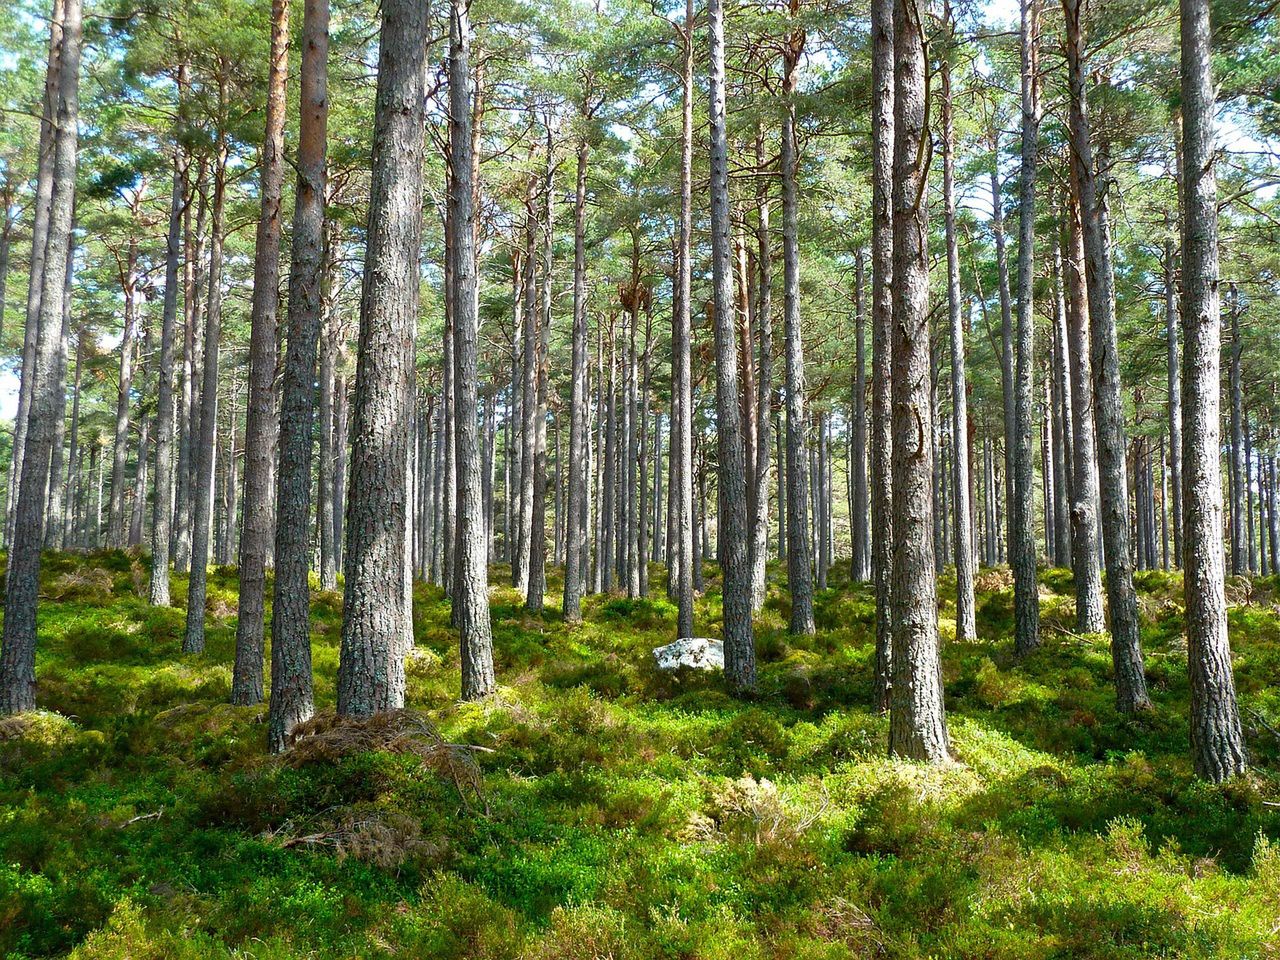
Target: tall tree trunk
<point x="858" y="515"/>
<point x="162" y="507"/>
<point x="189" y="409"/>
<point x="326" y="508"/>
<point x="73" y="513"/>
<point x="799" y="573"/>
<point x="762" y="311"/>
<point x="471" y="595"/>
<point x="542" y="388"/>
<point x="53" y="524"/>
<point x="1175" y="397"/>
<point x="22" y="577"/>
<point x="261" y="424"/>
<point x="1238" y="466"/>
<point x="124" y="386"/>
<point x="576" y="546"/>
<point x="882" y="306"/>
<point x="1022" y="553"/>
<point x="292" y="700"/>
<point x="739" y="643"/>
<point x="1084" y="484"/>
<point x="917" y="722"/>
<point x="1217" y="745"/>
<point x="1006" y="341"/>
<point x="1062" y="417"/>
<point x="1126" y="651"/>
<point x="371" y="663"/>
<point x="966" y="624"/>
<point x="42" y="205"/>
<point x="529" y="402"/>
<point x="681" y="362"/>
<point x="203" y="452"/>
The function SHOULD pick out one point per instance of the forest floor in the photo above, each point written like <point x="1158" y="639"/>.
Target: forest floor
<point x="615" y="812"/>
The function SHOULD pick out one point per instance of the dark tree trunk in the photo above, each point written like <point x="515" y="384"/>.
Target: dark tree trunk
<point x="858" y="516"/>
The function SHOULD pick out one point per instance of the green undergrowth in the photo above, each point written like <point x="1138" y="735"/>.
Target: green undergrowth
<point x="626" y="814"/>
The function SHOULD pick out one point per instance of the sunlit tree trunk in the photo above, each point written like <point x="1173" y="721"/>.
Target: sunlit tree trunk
<point x="203" y="451"/>
<point x="882" y="306"/>
<point x="371" y="663"/>
<point x="22" y="575"/>
<point x="292" y="700"/>
<point x="917" y="722"/>
<point x="1217" y="745"/>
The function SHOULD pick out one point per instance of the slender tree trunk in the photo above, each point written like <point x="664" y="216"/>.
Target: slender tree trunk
<point x="124" y="387"/>
<point x="799" y="573"/>
<point x="739" y="643"/>
<point x="292" y="699"/>
<point x="471" y="589"/>
<point x="203" y="453"/>
<point x="261" y="419"/>
<point x="575" y="540"/>
<point x="1085" y="544"/>
<point x="1171" y="320"/>
<point x="371" y="664"/>
<point x="1238" y="466"/>
<point x="1022" y="543"/>
<point x="966" y="625"/>
<point x="917" y="723"/>
<point x="762" y="311"/>
<point x="1217" y="744"/>
<point x="41" y="215"/>
<point x="1006" y="341"/>
<point x="529" y="404"/>
<point x="537" y="586"/>
<point x="22" y="576"/>
<point x="882" y="307"/>
<point x="73" y="513"/>
<point x="681" y="343"/>
<point x="53" y="524"/>
<point x="162" y="507"/>
<point x="326" y="508"/>
<point x="1126" y="651"/>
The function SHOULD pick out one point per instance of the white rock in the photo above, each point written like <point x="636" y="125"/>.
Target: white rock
<point x="695" y="653"/>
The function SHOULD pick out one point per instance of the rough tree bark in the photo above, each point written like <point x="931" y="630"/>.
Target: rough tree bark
<point x="292" y="701"/>
<point x="203" y="449"/>
<point x="471" y="594"/>
<point x="882" y="305"/>
<point x="1022" y="552"/>
<point x="22" y="578"/>
<point x="371" y="662"/>
<point x="261" y="420"/>
<point x="739" y="643"/>
<point x="966" y="624"/>
<point x="917" y="722"/>
<point x="1217" y="744"/>
<point x="1108" y="412"/>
